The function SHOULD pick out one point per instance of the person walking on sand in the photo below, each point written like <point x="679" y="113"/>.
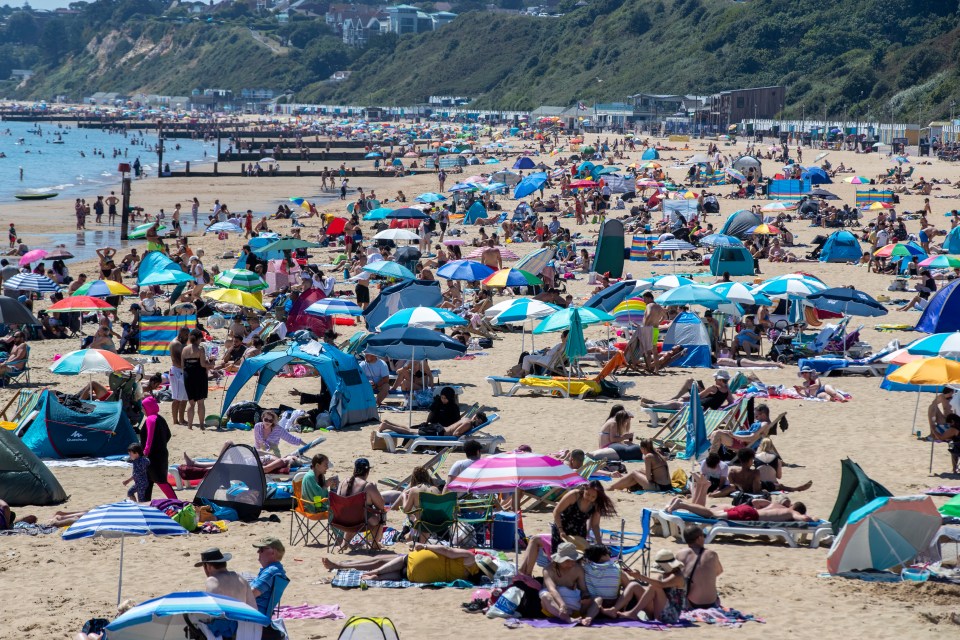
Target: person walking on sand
<point x="248" y="224"/>
<point x="177" y="391"/>
<point x="112" y="207"/>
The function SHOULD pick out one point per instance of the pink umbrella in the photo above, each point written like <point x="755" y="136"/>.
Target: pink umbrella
<point x="514" y="472"/>
<point x="454" y="241"/>
<point x="33" y="256"/>
<point x="505" y="253"/>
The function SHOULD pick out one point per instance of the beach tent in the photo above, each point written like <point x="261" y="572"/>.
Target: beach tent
<point x="609" y="255"/>
<point x="620" y="184"/>
<point x="298" y="318"/>
<point x="351" y="397"/>
<point x="650" y="154"/>
<point x="689" y="332"/>
<point x="743" y="164"/>
<point x="475" y="212"/>
<point x="816" y="175"/>
<point x="24" y="479"/>
<point x="735" y="260"/>
<point x="524" y="163"/>
<point x="942" y="314"/>
<point x="952" y="241"/>
<point x="740" y="222"/>
<point x="364" y="628"/>
<point x="685" y="208"/>
<point x="841" y="246"/>
<point x="410" y="293"/>
<point x="236" y="481"/>
<point x="102" y="429"/>
<point x="856" y="491"/>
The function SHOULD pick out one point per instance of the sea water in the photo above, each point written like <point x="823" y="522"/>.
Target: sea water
<point x="63" y="158"/>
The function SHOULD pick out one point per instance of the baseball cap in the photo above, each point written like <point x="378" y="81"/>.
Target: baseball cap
<point x="273" y="543"/>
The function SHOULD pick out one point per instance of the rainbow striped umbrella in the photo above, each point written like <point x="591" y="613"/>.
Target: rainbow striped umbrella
<point x="80" y="303"/>
<point x="857" y="180"/>
<point x="899" y="249"/>
<point x="941" y="262"/>
<point x="102" y="289"/>
<point x="764" y="230"/>
<point x="511" y="278"/>
<point x="630" y="311"/>
<point x="90" y="361"/>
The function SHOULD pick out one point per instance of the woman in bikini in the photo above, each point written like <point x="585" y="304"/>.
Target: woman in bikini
<point x="655" y="475"/>
<point x="616" y="439"/>
<point x="813" y="388"/>
<point x="376" y="507"/>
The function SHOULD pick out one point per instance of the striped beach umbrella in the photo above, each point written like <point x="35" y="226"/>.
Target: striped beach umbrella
<point x="562" y="319"/>
<point x="630" y="311"/>
<point x="235" y="297"/>
<point x="223" y="227"/>
<point x="904" y="249"/>
<point x="505" y="253"/>
<point x="941" y="262"/>
<point x="31" y="282"/>
<point x="517" y="310"/>
<point x="242" y="279"/>
<point x="946" y="345"/>
<point x="122" y="519"/>
<point x="165" y="617"/>
<point x="103" y="289"/>
<point x="424" y="317"/>
<point x="670" y="282"/>
<point x="720" y="240"/>
<point x="690" y="294"/>
<point x="511" y="278"/>
<point x="90" y="361"/>
<point x="789" y="288"/>
<point x="469" y="270"/>
<point x="739" y="293"/>
<point x="80" y="303"/>
<point x="536" y="261"/>
<point x="764" y="230"/>
<point x="334" y="307"/>
<point x="141" y="231"/>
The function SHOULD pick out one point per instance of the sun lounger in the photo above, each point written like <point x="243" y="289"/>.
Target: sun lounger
<point x="432" y="466"/>
<point x="873" y="365"/>
<point x="415" y="442"/>
<point x="561" y="386"/>
<point x="672" y="524"/>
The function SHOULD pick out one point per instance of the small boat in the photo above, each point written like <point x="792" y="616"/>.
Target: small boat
<point x="46" y="195"/>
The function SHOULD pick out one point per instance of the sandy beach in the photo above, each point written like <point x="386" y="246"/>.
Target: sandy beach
<point x="50" y="587"/>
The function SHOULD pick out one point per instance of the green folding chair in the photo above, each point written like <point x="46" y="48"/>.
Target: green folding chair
<point x="436" y="515"/>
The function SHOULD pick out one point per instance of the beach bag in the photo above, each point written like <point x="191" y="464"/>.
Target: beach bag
<point x="463" y="535"/>
<point x="221" y="512"/>
<point x="427" y="429"/>
<point x="187" y="518"/>
<point x="245" y="412"/>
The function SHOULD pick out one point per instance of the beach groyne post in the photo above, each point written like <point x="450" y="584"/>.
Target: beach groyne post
<point x="125" y="201"/>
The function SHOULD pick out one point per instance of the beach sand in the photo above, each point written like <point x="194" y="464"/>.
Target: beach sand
<point x="50" y="587"/>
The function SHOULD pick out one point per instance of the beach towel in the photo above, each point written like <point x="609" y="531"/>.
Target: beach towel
<point x="943" y="491"/>
<point x="310" y="612"/>
<point x="786" y="393"/>
<point x="350" y="579"/>
<point x="27" y="529"/>
<point x="554" y="623"/>
<point x="722" y="616"/>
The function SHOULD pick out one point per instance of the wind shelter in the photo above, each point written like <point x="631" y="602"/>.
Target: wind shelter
<point x="24" y="479"/>
<point x="870" y="196"/>
<point x="789" y="189"/>
<point x="735" y="260"/>
<point x="740" y="222"/>
<point x="942" y="313"/>
<point x="235" y="481"/>
<point x="841" y="246"/>
<point x="410" y="293"/>
<point x="352" y="400"/>
<point x="99" y="430"/>
<point x="689" y="332"/>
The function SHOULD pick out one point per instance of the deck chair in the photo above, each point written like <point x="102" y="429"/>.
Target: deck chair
<point x="432" y="466"/>
<point x="476" y="510"/>
<point x="674" y="437"/>
<point x="310" y="525"/>
<point x="20" y="374"/>
<point x="629" y="547"/>
<point x="672" y="524"/>
<point x="549" y="496"/>
<point x="436" y="515"/>
<point x="393" y="441"/>
<point x="20" y="405"/>
<point x="348" y="517"/>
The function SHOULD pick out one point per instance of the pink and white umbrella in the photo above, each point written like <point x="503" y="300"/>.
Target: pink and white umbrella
<point x="505" y="253"/>
<point x="33" y="256"/>
<point x="514" y="472"/>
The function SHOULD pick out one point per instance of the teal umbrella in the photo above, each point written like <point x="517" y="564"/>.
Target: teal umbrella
<point x="389" y="269"/>
<point x="697" y="442"/>
<point x="287" y="244"/>
<point x="377" y="214"/>
<point x="576" y="344"/>
<point x="561" y="320"/>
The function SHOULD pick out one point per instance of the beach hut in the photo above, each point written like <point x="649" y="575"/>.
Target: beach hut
<point x="689" y="332"/>
<point x="410" y="293"/>
<point x="236" y="482"/>
<point x="841" y="246"/>
<point x="735" y="260"/>
<point x="942" y="314"/>
<point x="740" y="222"/>
<point x="650" y="154"/>
<point x="57" y="431"/>
<point x="24" y="479"/>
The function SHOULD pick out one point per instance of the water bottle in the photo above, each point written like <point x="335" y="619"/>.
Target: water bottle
<point x="506" y="605"/>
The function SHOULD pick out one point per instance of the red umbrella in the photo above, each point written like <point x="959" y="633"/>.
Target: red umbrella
<point x="80" y="303"/>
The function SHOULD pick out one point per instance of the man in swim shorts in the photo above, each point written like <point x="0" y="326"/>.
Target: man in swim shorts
<point x="759" y="510"/>
<point x="177" y="389"/>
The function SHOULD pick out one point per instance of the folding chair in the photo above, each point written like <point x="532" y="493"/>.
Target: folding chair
<point x="628" y="546"/>
<point x="436" y="514"/>
<point x="348" y="517"/>
<point x="307" y="522"/>
<point x="431" y="465"/>
<point x="549" y="496"/>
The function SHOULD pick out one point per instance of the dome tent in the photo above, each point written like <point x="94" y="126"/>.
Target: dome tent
<point x="740" y="222"/>
<point x="58" y="431"/>
<point x="650" y="154"/>
<point x="689" y="332"/>
<point x="366" y="628"/>
<point x="841" y="246"/>
<point x="24" y="479"/>
<point x="942" y="313"/>
<point x="235" y="481"/>
<point x="735" y="260"/>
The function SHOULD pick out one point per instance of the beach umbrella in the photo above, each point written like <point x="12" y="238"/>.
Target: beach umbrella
<point x="688" y="295"/>
<point x="903" y="249"/>
<point x="583" y="184"/>
<point x="297" y="200"/>
<point x="13" y="312"/>
<point x="720" y="240"/>
<point x="406" y="213"/>
<point x="528" y="185"/>
<point x="235" y="297"/>
<point x="823" y="193"/>
<point x="396" y="234"/>
<point x="141" y="231"/>
<point x="103" y="289"/>
<point x="793" y="288"/>
<point x="468" y="270"/>
<point x="334" y="307"/>
<point x="764" y="230"/>
<point x="287" y="244"/>
<point x="377" y="214"/>
<point x="122" y="519"/>
<point x="670" y="282"/>
<point x="857" y="180"/>
<point x="511" y="278"/>
<point x="562" y="319"/>
<point x="776" y="207"/>
<point x="941" y="262"/>
<point x="536" y="261"/>
<point x="520" y="311"/>
<point x="494" y="187"/>
<point x="413" y="343"/>
<point x="576" y="346"/>
<point x="389" y="269"/>
<point x="461" y="186"/>
<point x="430" y="197"/>
<point x="507" y="177"/>
<point x="171" y="276"/>
<point x="223" y="227"/>
<point x="36" y="255"/>
<point x="168" y="617"/>
<point x="928" y="373"/>
<point x="423" y="317"/>
<point x="505" y="472"/>
<point x="59" y="254"/>
<point x="739" y="293"/>
<point x="876" y="206"/>
<point x="372" y="155"/>
<point x="630" y="312"/>
<point x="946" y="345"/>
<point x="90" y="361"/>
<point x="80" y="303"/>
<point x="697" y="441"/>
<point x="454" y="242"/>
<point x="242" y="279"/>
<point x="608" y="298"/>
<point x="505" y="253"/>
<point x="31" y="282"/>
<point x="849" y="302"/>
<point x="887" y="532"/>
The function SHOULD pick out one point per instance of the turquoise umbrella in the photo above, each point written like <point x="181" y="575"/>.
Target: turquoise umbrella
<point x="389" y="269"/>
<point x="690" y="294"/>
<point x="697" y="442"/>
<point x="377" y="214"/>
<point x="576" y="344"/>
<point x="561" y="320"/>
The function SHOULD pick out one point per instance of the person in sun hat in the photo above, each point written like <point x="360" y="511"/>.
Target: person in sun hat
<point x="662" y="599"/>
<point x="427" y="563"/>
<point x="222" y="581"/>
<point x="564" y="585"/>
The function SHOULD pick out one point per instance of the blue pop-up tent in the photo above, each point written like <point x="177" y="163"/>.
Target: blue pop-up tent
<point x="650" y="154"/>
<point x="952" y="241"/>
<point x="841" y="246"/>
<point x="816" y="175"/>
<point x="740" y="222"/>
<point x="524" y="162"/>
<point x="942" y="314"/>
<point x="410" y="293"/>
<point x="58" y="431"/>
<point x="352" y="397"/>
<point x="476" y="211"/>
<point x="688" y="331"/>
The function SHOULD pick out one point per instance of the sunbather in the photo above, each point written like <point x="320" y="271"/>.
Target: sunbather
<point x="813" y="388"/>
<point x="761" y="510"/>
<point x="564" y="585"/>
<point x="655" y="475"/>
<point x="616" y="439"/>
<point x="409" y="502"/>
<point x="416" y="375"/>
<point x="759" y="429"/>
<point x="195" y="469"/>
<point x="427" y="563"/>
<point x="662" y="598"/>
<point x="713" y="397"/>
<point x="456" y="429"/>
<point x="769" y="465"/>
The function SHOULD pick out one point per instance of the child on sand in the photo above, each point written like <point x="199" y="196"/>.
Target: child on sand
<point x="139" y="478"/>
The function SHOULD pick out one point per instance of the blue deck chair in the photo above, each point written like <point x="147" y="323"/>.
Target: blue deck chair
<point x="627" y="546"/>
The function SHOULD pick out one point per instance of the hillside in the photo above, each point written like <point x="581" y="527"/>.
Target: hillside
<point x="827" y="53"/>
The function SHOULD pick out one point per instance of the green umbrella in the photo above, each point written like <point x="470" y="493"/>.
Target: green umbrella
<point x="576" y="344"/>
<point x="563" y="319"/>
<point x="287" y="244"/>
<point x="242" y="279"/>
<point x="141" y="231"/>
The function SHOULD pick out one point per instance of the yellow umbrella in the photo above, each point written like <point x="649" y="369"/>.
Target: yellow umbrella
<point x="928" y="372"/>
<point x="235" y="297"/>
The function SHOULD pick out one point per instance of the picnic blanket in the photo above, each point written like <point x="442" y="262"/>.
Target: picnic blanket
<point x="27" y="529"/>
<point x="722" y="616"/>
<point x="350" y="579"/>
<point x="554" y="623"/>
<point x="310" y="612"/>
<point x="943" y="490"/>
<point x="785" y="393"/>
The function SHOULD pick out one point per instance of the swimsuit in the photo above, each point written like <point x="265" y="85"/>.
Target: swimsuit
<point x="742" y="512"/>
<point x="574" y="522"/>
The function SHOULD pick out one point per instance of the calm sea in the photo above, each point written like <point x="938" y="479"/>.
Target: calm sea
<point x="68" y="159"/>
